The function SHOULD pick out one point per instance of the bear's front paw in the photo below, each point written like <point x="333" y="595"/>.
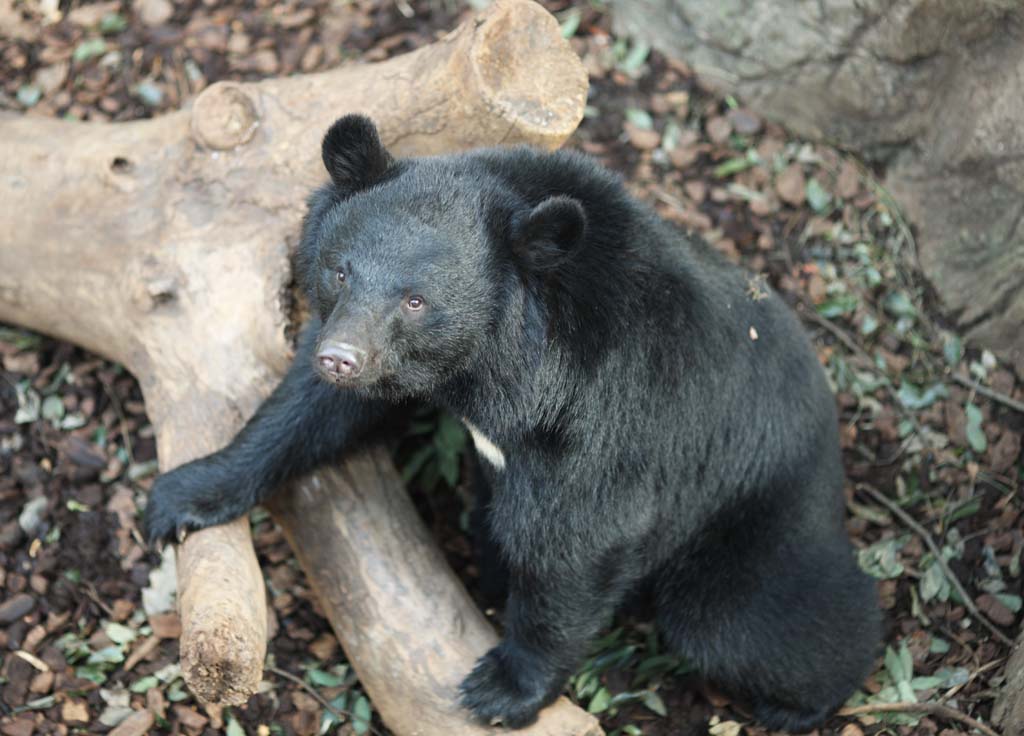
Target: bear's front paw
<point x="172" y="510"/>
<point x="508" y="688"/>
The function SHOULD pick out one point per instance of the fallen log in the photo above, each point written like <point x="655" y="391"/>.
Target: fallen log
<point x="164" y="244"/>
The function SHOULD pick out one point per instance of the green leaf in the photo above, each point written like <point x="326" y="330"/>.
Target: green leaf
<point x="975" y="434"/>
<point x="571" y="23"/>
<point x="915" y="397"/>
<point x="329" y="720"/>
<point x="146" y="683"/>
<point x="119" y="633"/>
<point x="732" y="166"/>
<point x="968" y="508"/>
<point x="89" y="49"/>
<point x="640" y="118"/>
<point x="926" y="683"/>
<point x="52" y="409"/>
<point x="952" y="350"/>
<point x="636" y="57"/>
<point x="653" y="702"/>
<point x="898" y="304"/>
<point x="113" y="23"/>
<point x="29" y="404"/>
<point x="934" y="584"/>
<point x="817" y="197"/>
<point x="28" y="95"/>
<point x="324" y="679"/>
<point x="1011" y="601"/>
<point x="416" y="462"/>
<point x="938" y="646"/>
<point x="451" y="434"/>
<point x="106" y="655"/>
<point x="837" y="306"/>
<point x="599" y="703"/>
<point x="92" y="672"/>
<point x="361" y="714"/>
<point x="880" y="559"/>
<point x="76" y="506"/>
<point x="148" y="94"/>
<point x="234" y="728"/>
<point x="869" y="325"/>
<point x="176" y="691"/>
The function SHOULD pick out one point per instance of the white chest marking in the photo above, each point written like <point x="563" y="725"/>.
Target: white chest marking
<point x="485" y="447"/>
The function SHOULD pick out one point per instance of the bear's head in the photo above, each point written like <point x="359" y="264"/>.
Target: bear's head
<point x="413" y="264"/>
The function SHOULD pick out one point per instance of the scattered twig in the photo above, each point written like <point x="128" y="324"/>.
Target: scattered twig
<point x="931" y="709"/>
<point x="122" y="422"/>
<point x="909" y="522"/>
<point x="341" y="715"/>
<point x="972" y="677"/>
<point x="91" y="594"/>
<point x="809" y="314"/>
<point x="987" y="392"/>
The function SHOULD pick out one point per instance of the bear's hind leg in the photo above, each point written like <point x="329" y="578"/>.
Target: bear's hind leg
<point x="791" y="631"/>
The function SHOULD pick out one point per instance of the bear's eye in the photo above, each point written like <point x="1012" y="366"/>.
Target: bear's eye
<point x="415" y="303"/>
<point x="340" y="275"/>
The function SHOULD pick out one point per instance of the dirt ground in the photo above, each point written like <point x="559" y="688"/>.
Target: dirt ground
<point x="931" y="427"/>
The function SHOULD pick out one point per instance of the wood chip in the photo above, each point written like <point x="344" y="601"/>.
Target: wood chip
<point x="136" y="724"/>
<point x="74" y="711"/>
<point x="166" y="625"/>
<point x="141" y="651"/>
<point x="791" y="185"/>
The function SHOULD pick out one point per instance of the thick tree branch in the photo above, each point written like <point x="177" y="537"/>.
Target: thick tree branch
<point x="164" y="244"/>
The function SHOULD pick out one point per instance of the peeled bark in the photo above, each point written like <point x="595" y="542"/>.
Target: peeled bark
<point x="164" y="244"/>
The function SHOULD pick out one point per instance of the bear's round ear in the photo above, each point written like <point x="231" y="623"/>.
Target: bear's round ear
<point x="353" y="153"/>
<point x="550" y="231"/>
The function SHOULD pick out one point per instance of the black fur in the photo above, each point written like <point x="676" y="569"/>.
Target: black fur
<point x="662" y="423"/>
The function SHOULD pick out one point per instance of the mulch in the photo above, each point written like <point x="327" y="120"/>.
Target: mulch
<point x="77" y="452"/>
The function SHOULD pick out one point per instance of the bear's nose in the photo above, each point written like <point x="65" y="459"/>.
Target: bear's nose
<point x="341" y="360"/>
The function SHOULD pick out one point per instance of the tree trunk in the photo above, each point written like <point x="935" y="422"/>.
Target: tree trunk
<point x="932" y="87"/>
<point x="164" y="244"/>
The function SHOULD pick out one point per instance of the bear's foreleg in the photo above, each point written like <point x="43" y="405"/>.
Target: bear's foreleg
<point x="304" y="423"/>
<point x="549" y="621"/>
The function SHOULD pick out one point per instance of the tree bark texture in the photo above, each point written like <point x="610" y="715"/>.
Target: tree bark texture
<point x="164" y="244"/>
<point x="933" y="87"/>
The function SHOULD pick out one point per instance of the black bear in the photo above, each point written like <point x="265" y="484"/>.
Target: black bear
<point x="645" y="420"/>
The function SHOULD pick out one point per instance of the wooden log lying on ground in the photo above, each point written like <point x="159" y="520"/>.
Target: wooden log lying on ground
<point x="164" y="244"/>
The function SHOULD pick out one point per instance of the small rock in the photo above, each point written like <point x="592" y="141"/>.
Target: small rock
<point x="74" y="711"/>
<point x="50" y="78"/>
<point x="719" y="129"/>
<point x="1004" y="453"/>
<point x="239" y="43"/>
<point x="848" y="181"/>
<point x="90" y="15"/>
<point x="265" y="61"/>
<point x="995" y="609"/>
<point x="312" y="58"/>
<point x="155" y="702"/>
<point x="134" y="725"/>
<point x="31" y="516"/>
<point x="791" y="185"/>
<point x="696" y="190"/>
<point x="189" y="718"/>
<point x="645" y="140"/>
<point x="11" y="535"/>
<point x="23" y="726"/>
<point x="153" y="12"/>
<point x="15" y="607"/>
<point x="42" y="683"/>
<point x="744" y="121"/>
<point x="324" y="647"/>
<point x="166" y="625"/>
